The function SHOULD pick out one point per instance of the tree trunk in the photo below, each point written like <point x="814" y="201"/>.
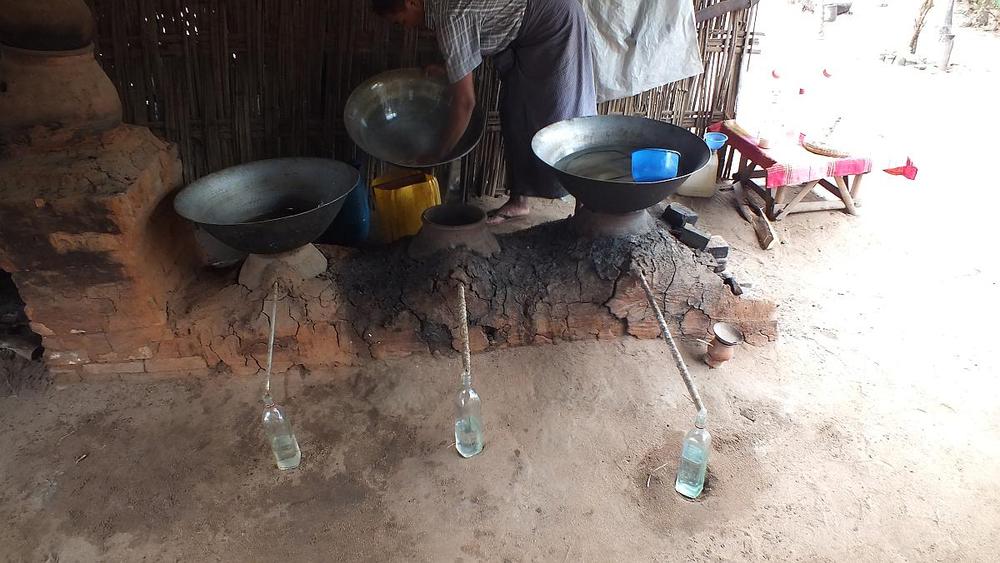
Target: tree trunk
<point x="918" y="26"/>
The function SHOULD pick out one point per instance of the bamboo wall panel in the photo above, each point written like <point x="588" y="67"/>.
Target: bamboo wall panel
<point x="237" y="80"/>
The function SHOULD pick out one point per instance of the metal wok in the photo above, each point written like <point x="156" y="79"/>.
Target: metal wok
<point x="400" y="117"/>
<point x="269" y="206"/>
<point x="591" y="157"/>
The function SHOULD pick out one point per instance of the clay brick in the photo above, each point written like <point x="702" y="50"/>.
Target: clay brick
<point x="286" y="313"/>
<point x="137" y="318"/>
<point x="695" y="323"/>
<point x="185" y="375"/>
<point x="587" y="320"/>
<point x="63" y="321"/>
<point x="191" y="363"/>
<point x="399" y="340"/>
<point x="691" y="236"/>
<point x="130" y="341"/>
<point x="477" y="339"/>
<point x="178" y="348"/>
<point x="110" y="291"/>
<point x="718" y="247"/>
<point x="228" y="349"/>
<point x="113" y="369"/>
<point x="93" y="344"/>
<point x="284" y="357"/>
<point x="319" y="345"/>
<point x="54" y="358"/>
<point x="347" y="338"/>
<point x="48" y="304"/>
<point x="677" y="215"/>
<point x="64" y="242"/>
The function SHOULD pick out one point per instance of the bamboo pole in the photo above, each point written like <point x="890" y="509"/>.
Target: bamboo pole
<point x="674" y="351"/>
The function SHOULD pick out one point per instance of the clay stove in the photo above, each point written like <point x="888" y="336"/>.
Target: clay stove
<point x="110" y="279"/>
<point x="451" y="226"/>
<point x="83" y="229"/>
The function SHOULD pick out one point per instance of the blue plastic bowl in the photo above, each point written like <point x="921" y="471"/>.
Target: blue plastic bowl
<point x="654" y="165"/>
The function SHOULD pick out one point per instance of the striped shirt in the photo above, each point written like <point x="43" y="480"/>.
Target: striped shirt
<point x="467" y="30"/>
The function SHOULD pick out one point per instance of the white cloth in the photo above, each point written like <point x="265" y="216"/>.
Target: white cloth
<point x="641" y="44"/>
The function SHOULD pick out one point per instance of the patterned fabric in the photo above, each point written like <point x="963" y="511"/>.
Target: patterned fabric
<point x="469" y="29"/>
<point x="546" y="75"/>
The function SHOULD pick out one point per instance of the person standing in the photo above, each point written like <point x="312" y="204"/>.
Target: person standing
<point x="540" y="48"/>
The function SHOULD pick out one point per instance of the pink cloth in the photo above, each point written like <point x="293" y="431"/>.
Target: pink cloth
<point x="791" y="164"/>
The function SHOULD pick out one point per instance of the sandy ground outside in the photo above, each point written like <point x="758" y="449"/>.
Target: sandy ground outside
<point x="870" y="431"/>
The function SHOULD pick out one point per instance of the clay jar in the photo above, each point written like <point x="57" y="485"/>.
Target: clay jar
<point x="47" y="25"/>
<point x="45" y="92"/>
<point x="723" y="346"/>
<point x="451" y="226"/>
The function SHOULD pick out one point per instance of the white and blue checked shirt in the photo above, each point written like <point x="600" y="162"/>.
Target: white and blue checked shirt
<point x="469" y="29"/>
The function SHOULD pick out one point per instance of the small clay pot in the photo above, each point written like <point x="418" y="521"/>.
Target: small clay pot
<point x="723" y="346"/>
<point x="65" y="91"/>
<point x="450" y="226"/>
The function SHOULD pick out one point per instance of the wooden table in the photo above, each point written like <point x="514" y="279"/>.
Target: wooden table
<point x="785" y="174"/>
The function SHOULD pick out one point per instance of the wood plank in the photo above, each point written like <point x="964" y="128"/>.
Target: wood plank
<point x="807" y="206"/>
<point x="741" y="203"/>
<point x="721" y="9"/>
<point x="830" y="187"/>
<point x="796" y="201"/>
<point x="767" y="237"/>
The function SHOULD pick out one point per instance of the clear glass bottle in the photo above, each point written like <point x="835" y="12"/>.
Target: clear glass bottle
<point x="694" y="458"/>
<point x="279" y="433"/>
<point x="468" y="419"/>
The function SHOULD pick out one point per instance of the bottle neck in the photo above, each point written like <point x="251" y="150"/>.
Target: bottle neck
<point x="466" y="380"/>
<point x="701" y="419"/>
<point x="268" y="400"/>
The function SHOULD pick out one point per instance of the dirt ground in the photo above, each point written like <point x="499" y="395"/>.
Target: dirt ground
<point x="870" y="431"/>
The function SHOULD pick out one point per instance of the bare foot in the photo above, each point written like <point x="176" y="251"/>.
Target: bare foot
<point x="516" y="207"/>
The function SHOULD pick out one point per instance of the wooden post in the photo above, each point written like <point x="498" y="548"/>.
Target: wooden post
<point x="856" y="189"/>
<point x="947" y="37"/>
<point x="845" y="194"/>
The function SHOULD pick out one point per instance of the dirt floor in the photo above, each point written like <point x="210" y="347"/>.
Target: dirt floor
<point x="870" y="431"/>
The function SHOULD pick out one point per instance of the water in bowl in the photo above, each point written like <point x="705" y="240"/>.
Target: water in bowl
<point x="609" y="163"/>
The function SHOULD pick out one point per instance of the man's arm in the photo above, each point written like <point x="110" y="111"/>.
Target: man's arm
<point x="463" y="101"/>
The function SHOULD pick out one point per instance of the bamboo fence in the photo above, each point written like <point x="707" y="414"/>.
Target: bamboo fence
<point x="237" y="80"/>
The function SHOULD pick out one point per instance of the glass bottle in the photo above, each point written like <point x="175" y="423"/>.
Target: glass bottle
<point x="279" y="433"/>
<point x="468" y="420"/>
<point x="694" y="458"/>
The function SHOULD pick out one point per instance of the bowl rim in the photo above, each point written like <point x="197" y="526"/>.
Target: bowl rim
<point x="417" y="74"/>
<point x="229" y="169"/>
<point x="475" y="209"/>
<point x="648" y="183"/>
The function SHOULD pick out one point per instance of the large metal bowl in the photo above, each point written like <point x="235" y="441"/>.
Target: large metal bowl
<point x="591" y="157"/>
<point x="400" y="117"/>
<point x="269" y="206"/>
